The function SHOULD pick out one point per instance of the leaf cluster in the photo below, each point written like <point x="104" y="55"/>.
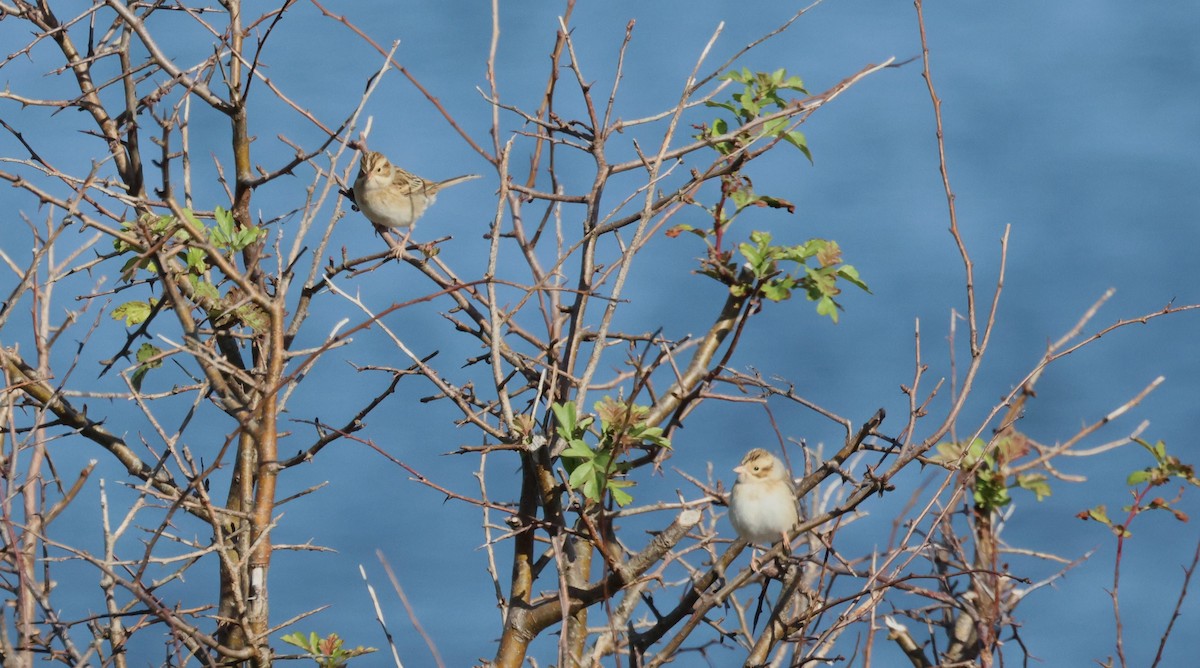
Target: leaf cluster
<point x="990" y="481"/>
<point x="597" y="471"/>
<point x="1165" y="469"/>
<point x="760" y="92"/>
<point x="190" y="265"/>
<point x="328" y="652"/>
<point x="770" y="271"/>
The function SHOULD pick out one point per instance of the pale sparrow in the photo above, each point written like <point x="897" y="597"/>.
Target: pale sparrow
<point x="762" y="506"/>
<point x="391" y="197"/>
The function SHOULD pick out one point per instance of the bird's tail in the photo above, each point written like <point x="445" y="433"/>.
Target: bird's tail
<point x="456" y="180"/>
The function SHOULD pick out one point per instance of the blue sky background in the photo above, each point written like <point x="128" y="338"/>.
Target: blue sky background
<point x="1075" y="123"/>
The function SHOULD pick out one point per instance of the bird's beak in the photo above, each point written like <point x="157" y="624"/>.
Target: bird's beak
<point x="739" y="469"/>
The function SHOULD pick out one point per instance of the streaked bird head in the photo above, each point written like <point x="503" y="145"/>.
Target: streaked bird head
<point x="375" y="168"/>
<point x="758" y="464"/>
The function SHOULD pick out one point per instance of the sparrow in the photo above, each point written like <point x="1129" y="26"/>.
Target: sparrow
<point x="762" y="506"/>
<point x="391" y="197"/>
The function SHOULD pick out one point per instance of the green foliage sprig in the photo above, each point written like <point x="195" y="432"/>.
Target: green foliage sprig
<point x="990" y="482"/>
<point x="765" y="261"/>
<point x="597" y="471"/>
<point x="194" y="274"/>
<point x="328" y="651"/>
<point x="760" y="92"/>
<point x="1165" y="469"/>
<point x="764" y="270"/>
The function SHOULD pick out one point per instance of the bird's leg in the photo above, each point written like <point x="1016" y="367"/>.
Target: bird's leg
<point x="404" y="241"/>
<point x="397" y="247"/>
<point x="769" y="569"/>
<point x="786" y="557"/>
<point x="756" y="565"/>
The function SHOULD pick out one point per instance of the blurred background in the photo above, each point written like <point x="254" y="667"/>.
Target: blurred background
<point x="1073" y="124"/>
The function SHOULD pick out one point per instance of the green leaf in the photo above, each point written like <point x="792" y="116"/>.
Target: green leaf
<point x="777" y="291"/>
<point x="134" y="312"/>
<point x="849" y="273"/>
<point x="729" y="76"/>
<point x="196" y="260"/>
<point x="226" y="235"/>
<point x="617" y="489"/>
<point x="775" y="128"/>
<point x="577" y="447"/>
<point x="761" y="238"/>
<point x="720" y="105"/>
<point x="976" y="450"/>
<point x="651" y="435"/>
<point x="224" y="218"/>
<point x="565" y="417"/>
<point x="826" y="306"/>
<point x="750" y="107"/>
<point x="743" y="197"/>
<point x="752" y="255"/>
<point x="948" y="452"/>
<point x="684" y="227"/>
<point x="249" y="236"/>
<point x="204" y="290"/>
<point x="797" y="139"/>
<point x="254" y="317"/>
<point x="307" y="644"/>
<point x="147" y="352"/>
<point x="146" y="355"/>
<point x="1100" y="514"/>
<point x="1036" y="483"/>
<point x="585" y="472"/>
<point x="776" y="203"/>
<point x="132" y="264"/>
<point x="1138" y="477"/>
<point x="821" y="283"/>
<point x="990" y="492"/>
<point x="139" y="374"/>
<point x="591" y="488"/>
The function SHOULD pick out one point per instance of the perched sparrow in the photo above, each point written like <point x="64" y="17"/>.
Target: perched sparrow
<point x="762" y="506"/>
<point x="391" y="197"/>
